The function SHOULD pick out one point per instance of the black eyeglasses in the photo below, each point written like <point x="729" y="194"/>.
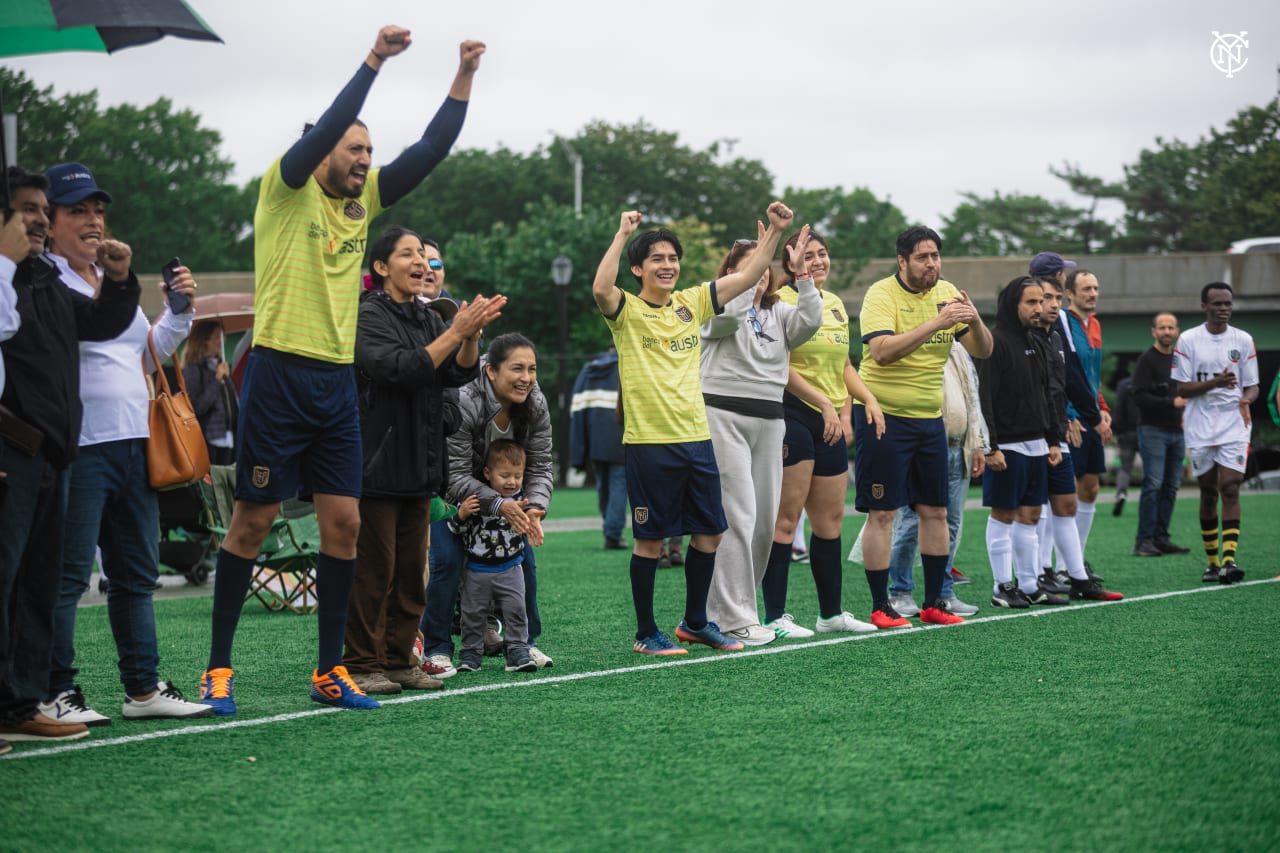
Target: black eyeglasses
<point x="435" y="263"/>
<point x="756" y="326"/>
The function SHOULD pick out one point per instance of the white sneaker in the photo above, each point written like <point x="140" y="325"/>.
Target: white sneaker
<point x="785" y="627"/>
<point x="843" y="622"/>
<point x="439" y="666"/>
<point x="753" y="635"/>
<point x="167" y="704"/>
<point x="69" y="707"/>
<point x="541" y="658"/>
<point x="905" y="604"/>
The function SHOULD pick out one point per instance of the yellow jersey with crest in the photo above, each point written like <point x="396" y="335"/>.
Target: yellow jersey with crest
<point x="307" y="254"/>
<point x="910" y="387"/>
<point x="659" y="359"/>
<point x="820" y="360"/>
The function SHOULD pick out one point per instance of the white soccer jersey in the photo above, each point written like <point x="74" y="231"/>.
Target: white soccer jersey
<point x="1214" y="418"/>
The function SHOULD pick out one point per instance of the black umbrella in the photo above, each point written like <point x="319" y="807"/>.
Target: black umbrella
<point x="49" y="26"/>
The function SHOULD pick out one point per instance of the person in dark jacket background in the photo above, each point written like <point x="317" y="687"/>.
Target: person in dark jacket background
<point x="595" y="440"/>
<point x="213" y="394"/>
<point x="405" y="356"/>
<point x="39" y="436"/>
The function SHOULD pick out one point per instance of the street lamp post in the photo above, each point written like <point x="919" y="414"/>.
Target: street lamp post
<point x="561" y="272"/>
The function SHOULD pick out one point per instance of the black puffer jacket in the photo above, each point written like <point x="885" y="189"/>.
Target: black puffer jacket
<point x="1014" y="383"/>
<point x="402" y="407"/>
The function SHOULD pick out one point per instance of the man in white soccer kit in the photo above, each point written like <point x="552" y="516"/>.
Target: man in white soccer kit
<point x="1216" y="368"/>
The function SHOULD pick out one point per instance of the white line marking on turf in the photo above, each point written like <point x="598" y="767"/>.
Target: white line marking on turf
<point x="771" y="649"/>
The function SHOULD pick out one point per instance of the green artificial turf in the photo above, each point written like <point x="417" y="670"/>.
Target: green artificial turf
<point x="1133" y="726"/>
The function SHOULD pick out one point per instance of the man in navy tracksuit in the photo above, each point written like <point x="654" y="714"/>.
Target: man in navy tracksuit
<point x="595" y="438"/>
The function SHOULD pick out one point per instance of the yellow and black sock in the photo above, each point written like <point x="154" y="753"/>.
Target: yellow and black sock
<point x="1209" y="533"/>
<point x="1230" y="538"/>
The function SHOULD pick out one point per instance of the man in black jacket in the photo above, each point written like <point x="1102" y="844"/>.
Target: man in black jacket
<point x="595" y="439"/>
<point x="39" y="436"/>
<point x="1160" y="439"/>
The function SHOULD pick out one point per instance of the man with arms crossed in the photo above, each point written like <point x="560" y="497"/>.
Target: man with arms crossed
<point x="908" y="324"/>
<point x="1216" y="368"/>
<point x="299" y="423"/>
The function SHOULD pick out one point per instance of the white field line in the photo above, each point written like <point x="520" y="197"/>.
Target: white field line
<point x="771" y="649"/>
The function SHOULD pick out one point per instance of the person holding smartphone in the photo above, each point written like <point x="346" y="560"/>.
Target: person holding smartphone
<point x="110" y="503"/>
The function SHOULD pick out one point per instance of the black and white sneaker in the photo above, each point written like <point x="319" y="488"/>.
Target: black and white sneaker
<point x="1008" y="595"/>
<point x="1088" y="570"/>
<point x="1230" y="572"/>
<point x="1043" y="596"/>
<point x="69" y="707"/>
<point x="1211" y="575"/>
<point x="1049" y="583"/>
<point x="168" y="703"/>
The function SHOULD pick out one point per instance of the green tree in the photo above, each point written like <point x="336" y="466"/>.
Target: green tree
<point x="1013" y="224"/>
<point x="1198" y="197"/>
<point x="856" y="225"/>
<point x="164" y="170"/>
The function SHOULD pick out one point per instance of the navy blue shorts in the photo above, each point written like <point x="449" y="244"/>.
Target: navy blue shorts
<point x="803" y="442"/>
<point x="1025" y="482"/>
<point x="674" y="489"/>
<point x="1062" y="478"/>
<point x="905" y="467"/>
<point x="299" y="429"/>
<point x="1089" y="457"/>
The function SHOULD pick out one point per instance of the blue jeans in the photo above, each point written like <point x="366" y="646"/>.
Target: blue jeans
<point x="906" y="537"/>
<point x="611" y="496"/>
<point x="1162" y="452"/>
<point x="30" y="545"/>
<point x="445" y="557"/>
<point x="111" y="505"/>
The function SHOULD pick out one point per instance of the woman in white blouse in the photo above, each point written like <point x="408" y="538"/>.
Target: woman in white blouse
<point x="110" y="501"/>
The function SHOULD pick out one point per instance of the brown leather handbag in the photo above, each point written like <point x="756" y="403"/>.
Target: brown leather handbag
<point x="176" y="453"/>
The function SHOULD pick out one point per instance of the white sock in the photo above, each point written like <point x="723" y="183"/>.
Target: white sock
<point x="1084" y="522"/>
<point x="1025" y="553"/>
<point x="1067" y="539"/>
<point x="1000" y="552"/>
<point x="1044" y="532"/>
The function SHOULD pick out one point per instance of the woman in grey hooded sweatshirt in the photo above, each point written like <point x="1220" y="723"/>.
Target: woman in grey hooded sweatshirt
<point x="745" y="358"/>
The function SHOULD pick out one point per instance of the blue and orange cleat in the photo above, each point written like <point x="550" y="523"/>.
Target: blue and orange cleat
<point x="336" y="688"/>
<point x="216" y="691"/>
<point x="658" y="643"/>
<point x="708" y="636"/>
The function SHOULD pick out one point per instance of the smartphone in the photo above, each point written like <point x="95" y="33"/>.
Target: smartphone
<point x="178" y="301"/>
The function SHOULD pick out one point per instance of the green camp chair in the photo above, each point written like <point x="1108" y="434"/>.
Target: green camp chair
<point x="284" y="576"/>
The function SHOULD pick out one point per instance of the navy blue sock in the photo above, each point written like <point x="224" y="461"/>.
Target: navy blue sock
<point x="774" y="582"/>
<point x="878" y="581"/>
<point x="334" y="578"/>
<point x="828" y="574"/>
<point x="230" y="585"/>
<point x="935" y="568"/>
<point x="644" y="570"/>
<point x="699" y="566"/>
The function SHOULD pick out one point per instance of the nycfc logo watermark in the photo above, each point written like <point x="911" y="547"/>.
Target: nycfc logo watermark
<point x="1227" y="52"/>
<point x="641" y="514"/>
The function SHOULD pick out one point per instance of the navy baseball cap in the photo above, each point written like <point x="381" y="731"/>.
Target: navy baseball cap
<point x="71" y="183"/>
<point x="1049" y="263"/>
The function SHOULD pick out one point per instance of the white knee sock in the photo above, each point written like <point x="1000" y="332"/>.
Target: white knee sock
<point x="1000" y="551"/>
<point x="1025" y="554"/>
<point x="1070" y="555"/>
<point x="1044" y="532"/>
<point x="1084" y="522"/>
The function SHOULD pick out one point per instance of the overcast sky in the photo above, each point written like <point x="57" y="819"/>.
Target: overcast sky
<point x="918" y="101"/>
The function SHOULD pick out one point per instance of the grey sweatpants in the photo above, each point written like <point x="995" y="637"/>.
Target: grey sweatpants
<point x="506" y="590"/>
<point x="749" y="456"/>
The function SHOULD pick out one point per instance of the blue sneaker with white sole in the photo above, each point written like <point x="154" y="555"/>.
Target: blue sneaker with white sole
<point x="709" y="635"/>
<point x="336" y="688"/>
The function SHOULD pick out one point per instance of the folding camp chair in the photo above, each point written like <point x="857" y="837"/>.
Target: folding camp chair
<point x="284" y="576"/>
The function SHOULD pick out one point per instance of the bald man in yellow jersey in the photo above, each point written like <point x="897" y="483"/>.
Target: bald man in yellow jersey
<point x="299" y="430"/>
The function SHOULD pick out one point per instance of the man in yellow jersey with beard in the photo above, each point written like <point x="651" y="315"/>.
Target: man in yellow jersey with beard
<point x="908" y="323"/>
<point x="673" y="483"/>
<point x="299" y="428"/>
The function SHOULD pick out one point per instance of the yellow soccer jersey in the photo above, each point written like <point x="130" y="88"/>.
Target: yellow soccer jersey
<point x="308" y="248"/>
<point x="821" y="359"/>
<point x="659" y="355"/>
<point x="911" y="387"/>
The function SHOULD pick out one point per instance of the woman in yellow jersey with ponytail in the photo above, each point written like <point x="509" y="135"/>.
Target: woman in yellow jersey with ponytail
<point x="818" y="411"/>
